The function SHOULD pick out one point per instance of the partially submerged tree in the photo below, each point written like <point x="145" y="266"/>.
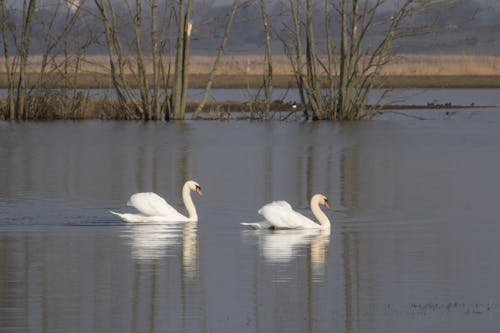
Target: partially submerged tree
<point x="180" y="84"/>
<point x="16" y="64"/>
<point x="366" y="31"/>
<point x="52" y="26"/>
<point x="129" y="60"/>
<point x="268" y="60"/>
<point x="141" y="63"/>
<point x="216" y="61"/>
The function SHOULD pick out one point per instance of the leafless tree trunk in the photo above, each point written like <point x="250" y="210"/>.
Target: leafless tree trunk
<point x="179" y="93"/>
<point x="27" y="24"/>
<point x="220" y="52"/>
<point x="292" y="42"/>
<point x="268" y="70"/>
<point x="156" y="54"/>
<point x="117" y="61"/>
<point x="9" y="62"/>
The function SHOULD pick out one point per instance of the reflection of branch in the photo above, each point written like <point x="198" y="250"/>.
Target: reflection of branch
<point x="402" y="114"/>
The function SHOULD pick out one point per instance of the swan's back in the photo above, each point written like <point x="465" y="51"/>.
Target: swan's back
<point x="151" y="204"/>
<point x="281" y="215"/>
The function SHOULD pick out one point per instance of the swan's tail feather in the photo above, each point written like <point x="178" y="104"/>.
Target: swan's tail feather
<point x="127" y="217"/>
<point x="258" y="225"/>
<point x="121" y="216"/>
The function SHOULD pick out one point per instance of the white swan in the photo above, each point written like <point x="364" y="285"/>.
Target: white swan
<point x="154" y="208"/>
<point x="280" y="215"/>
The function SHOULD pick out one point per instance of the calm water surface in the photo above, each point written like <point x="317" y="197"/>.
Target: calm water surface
<point x="414" y="245"/>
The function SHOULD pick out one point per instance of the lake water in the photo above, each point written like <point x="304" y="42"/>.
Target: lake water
<point x="414" y="244"/>
<point x="463" y="97"/>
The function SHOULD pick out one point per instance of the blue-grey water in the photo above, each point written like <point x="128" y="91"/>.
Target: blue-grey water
<point x="414" y="243"/>
<point x="462" y="97"/>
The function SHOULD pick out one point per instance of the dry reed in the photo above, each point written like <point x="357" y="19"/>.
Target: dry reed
<point x="254" y="64"/>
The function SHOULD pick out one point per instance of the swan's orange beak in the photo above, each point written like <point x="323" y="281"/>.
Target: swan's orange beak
<point x="198" y="190"/>
<point x="327" y="205"/>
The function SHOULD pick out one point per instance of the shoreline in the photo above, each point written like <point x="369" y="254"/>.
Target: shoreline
<point x="65" y="109"/>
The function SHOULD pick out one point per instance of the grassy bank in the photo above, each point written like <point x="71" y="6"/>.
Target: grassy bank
<point x="238" y="81"/>
<point x="405" y="71"/>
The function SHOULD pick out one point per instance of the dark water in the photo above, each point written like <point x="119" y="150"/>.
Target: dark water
<point x="414" y="245"/>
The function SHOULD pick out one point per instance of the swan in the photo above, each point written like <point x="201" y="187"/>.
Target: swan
<point x="154" y="208"/>
<point x="280" y="215"/>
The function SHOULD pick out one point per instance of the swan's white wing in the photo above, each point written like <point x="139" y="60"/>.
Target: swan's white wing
<point x="151" y="204"/>
<point x="281" y="215"/>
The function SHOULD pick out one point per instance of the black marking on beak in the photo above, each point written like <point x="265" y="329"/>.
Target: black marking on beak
<point x="198" y="190"/>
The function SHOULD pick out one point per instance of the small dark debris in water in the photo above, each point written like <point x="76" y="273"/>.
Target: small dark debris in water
<point x="431" y="308"/>
<point x="436" y="104"/>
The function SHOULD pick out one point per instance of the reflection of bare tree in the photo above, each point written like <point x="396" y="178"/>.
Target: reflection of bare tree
<point x="268" y="167"/>
<point x="185" y="166"/>
<point x="350" y="172"/>
<point x="351" y="256"/>
<point x="311" y="152"/>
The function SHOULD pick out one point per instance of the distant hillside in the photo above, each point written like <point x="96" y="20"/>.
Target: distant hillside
<point x="469" y="27"/>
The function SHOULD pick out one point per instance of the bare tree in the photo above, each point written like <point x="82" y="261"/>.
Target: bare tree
<point x="129" y="62"/>
<point x="10" y="64"/>
<point x="268" y="60"/>
<point x="220" y="52"/>
<point x="367" y="35"/>
<point x="179" y="91"/>
<point x="16" y="65"/>
<point x="58" y="53"/>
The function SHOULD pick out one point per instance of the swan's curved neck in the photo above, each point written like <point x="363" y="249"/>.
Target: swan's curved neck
<point x="318" y="213"/>
<point x="188" y="202"/>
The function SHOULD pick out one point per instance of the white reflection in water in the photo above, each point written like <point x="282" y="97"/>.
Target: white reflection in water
<point x="190" y="250"/>
<point x="154" y="241"/>
<point x="283" y="246"/>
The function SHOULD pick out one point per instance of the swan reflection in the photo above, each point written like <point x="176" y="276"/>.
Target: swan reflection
<point x="190" y="253"/>
<point x="152" y="241"/>
<point x="282" y="246"/>
<point x="155" y="241"/>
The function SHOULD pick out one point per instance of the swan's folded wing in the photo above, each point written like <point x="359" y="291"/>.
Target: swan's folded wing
<point x="281" y="215"/>
<point x="151" y="204"/>
<point x="277" y="213"/>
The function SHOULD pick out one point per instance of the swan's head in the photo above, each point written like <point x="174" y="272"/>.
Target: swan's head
<point x="322" y="200"/>
<point x="194" y="186"/>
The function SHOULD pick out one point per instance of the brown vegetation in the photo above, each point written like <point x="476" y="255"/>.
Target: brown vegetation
<point x="240" y="72"/>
